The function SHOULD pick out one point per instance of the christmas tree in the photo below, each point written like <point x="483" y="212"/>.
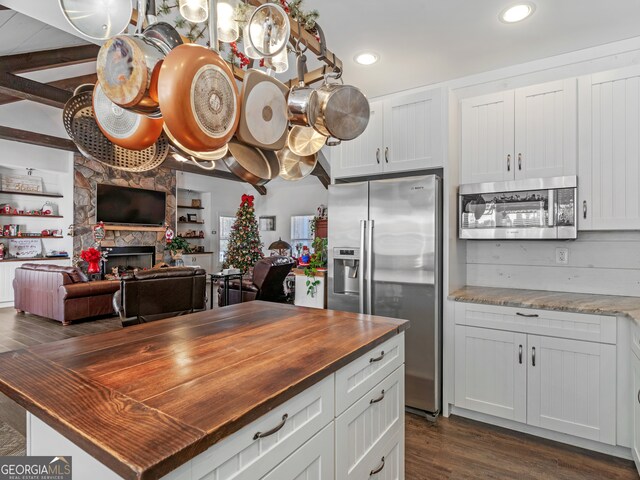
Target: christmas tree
<point x="245" y="247"/>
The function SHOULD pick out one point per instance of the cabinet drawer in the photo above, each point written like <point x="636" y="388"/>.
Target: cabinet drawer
<point x="367" y="424"/>
<point x="313" y="461"/>
<point x="385" y="462"/>
<point x="361" y="375"/>
<point x="242" y="456"/>
<point x="576" y="326"/>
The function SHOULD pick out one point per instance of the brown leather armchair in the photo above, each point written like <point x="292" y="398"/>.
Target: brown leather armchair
<point x="159" y="293"/>
<point x="61" y="293"/>
<point x="266" y="283"/>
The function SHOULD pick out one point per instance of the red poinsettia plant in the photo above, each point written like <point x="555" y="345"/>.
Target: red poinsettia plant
<point x="91" y="255"/>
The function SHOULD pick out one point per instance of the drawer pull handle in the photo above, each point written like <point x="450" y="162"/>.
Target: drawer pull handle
<point x="638" y="396"/>
<point x="377" y="470"/>
<point x="377" y="359"/>
<point x="386" y="154"/>
<point x="376" y="400"/>
<point x="508" y="163"/>
<point x="273" y="430"/>
<point x="378" y="155"/>
<point x="527" y="315"/>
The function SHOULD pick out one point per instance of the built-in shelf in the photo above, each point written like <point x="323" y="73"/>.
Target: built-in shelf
<point x="199" y="253"/>
<point x="27" y="215"/>
<point x="191" y="238"/>
<point x="190" y="207"/>
<point x="33" y="259"/>
<point x="134" y="228"/>
<point x="33" y="194"/>
<point x="30" y="236"/>
<point x="191" y="223"/>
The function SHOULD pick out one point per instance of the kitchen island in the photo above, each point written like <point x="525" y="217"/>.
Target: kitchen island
<point x="256" y="390"/>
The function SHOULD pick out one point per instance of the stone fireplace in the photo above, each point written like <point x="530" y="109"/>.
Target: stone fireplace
<point x="87" y="174"/>
<point x="129" y="258"/>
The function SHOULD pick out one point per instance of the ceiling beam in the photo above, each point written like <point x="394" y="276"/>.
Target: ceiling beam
<point x="34" y="61"/>
<point x="321" y="173"/>
<point x="68" y="84"/>
<point x="39" y="139"/>
<point x="26" y="89"/>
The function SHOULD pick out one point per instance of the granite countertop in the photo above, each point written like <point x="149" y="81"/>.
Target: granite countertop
<point x="146" y="399"/>
<point x="545" y="300"/>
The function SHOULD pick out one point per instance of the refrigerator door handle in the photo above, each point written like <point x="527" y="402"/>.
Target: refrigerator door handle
<point x="370" y="268"/>
<point x="361" y="273"/>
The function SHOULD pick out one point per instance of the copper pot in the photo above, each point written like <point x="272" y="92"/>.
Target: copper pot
<point x="126" y="67"/>
<point x="123" y="127"/>
<point x="198" y="97"/>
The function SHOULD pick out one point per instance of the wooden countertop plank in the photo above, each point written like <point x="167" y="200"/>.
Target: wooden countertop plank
<point x="99" y="341"/>
<point x="307" y="361"/>
<point x="139" y="353"/>
<point x="94" y="416"/>
<point x="155" y="395"/>
<point x="164" y="373"/>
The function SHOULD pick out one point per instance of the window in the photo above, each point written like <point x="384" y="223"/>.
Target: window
<point x="226" y="222"/>
<point x="301" y="231"/>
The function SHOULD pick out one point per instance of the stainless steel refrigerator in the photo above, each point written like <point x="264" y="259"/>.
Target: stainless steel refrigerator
<point x="385" y="259"/>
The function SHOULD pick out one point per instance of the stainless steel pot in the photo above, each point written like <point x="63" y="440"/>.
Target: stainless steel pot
<point x="302" y="101"/>
<point x="343" y="111"/>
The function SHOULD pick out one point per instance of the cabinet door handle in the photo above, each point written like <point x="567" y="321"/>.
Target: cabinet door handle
<point x="386" y="154"/>
<point x="376" y="400"/>
<point x="520" y="355"/>
<point x="377" y="359"/>
<point x="378" y="155"/>
<point x="377" y="470"/>
<point x="273" y="430"/>
<point x="533" y="356"/>
<point x="519" y="161"/>
<point x="528" y="315"/>
<point x="584" y="209"/>
<point x="509" y="162"/>
<point x="638" y="396"/>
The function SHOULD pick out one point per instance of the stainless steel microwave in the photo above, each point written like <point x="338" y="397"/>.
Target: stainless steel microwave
<point x="537" y="208"/>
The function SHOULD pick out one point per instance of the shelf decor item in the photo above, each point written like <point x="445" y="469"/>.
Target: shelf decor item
<point x="25" y="247"/>
<point x="93" y="257"/>
<point x="21" y="183"/>
<point x="196" y="202"/>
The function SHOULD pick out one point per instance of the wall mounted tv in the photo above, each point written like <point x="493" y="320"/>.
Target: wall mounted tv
<point x="130" y="206"/>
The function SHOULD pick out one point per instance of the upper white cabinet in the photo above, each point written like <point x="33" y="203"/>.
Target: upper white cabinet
<point x="524" y="133"/>
<point x="404" y="133"/>
<point x="608" y="169"/>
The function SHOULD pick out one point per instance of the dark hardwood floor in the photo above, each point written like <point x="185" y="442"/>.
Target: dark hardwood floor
<point x="452" y="448"/>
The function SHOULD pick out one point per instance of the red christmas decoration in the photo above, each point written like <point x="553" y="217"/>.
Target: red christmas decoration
<point x="244" y="60"/>
<point x="248" y="199"/>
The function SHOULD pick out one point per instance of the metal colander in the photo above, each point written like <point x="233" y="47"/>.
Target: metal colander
<point x="80" y="123"/>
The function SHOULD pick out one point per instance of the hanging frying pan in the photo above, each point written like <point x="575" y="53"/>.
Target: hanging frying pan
<point x="200" y="155"/>
<point x="164" y="35"/>
<point x="79" y="121"/>
<point x="295" y="167"/>
<point x="96" y="18"/>
<point x="263" y="111"/>
<point x="124" y="128"/>
<point x="198" y="95"/>
<point x="251" y="164"/>
<point x="305" y="140"/>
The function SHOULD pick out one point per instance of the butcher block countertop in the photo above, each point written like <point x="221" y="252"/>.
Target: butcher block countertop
<point x="146" y="399"/>
<point x="544" y="300"/>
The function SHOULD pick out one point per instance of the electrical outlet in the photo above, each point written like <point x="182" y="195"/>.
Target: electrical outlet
<point x="562" y="256"/>
<point x="213" y="232"/>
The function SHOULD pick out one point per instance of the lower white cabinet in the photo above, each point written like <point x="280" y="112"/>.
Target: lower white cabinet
<point x="202" y="260"/>
<point x="491" y="372"/>
<point x="313" y="461"/>
<point x="572" y="387"/>
<point x="560" y="384"/>
<point x="635" y="368"/>
<point x="367" y="425"/>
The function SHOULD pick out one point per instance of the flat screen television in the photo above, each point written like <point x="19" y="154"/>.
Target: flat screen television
<point x="130" y="206"/>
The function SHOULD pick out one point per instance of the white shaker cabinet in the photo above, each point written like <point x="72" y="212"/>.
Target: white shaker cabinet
<point x="491" y="372"/>
<point x="528" y="132"/>
<point x="609" y="165"/>
<point x="404" y="133"/>
<point x="572" y="387"/>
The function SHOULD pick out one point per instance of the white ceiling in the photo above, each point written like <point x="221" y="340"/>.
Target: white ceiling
<point x="20" y="33"/>
<point x="421" y="42"/>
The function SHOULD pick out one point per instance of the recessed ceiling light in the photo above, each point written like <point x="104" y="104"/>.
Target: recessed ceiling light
<point x="366" y="58"/>
<point x="517" y="13"/>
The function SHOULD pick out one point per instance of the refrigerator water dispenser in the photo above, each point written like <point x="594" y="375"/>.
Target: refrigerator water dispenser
<point x="346" y="267"/>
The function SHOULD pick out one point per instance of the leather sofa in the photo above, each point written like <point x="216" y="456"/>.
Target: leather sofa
<point x="61" y="293"/>
<point x="149" y="295"/>
<point x="266" y="283"/>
